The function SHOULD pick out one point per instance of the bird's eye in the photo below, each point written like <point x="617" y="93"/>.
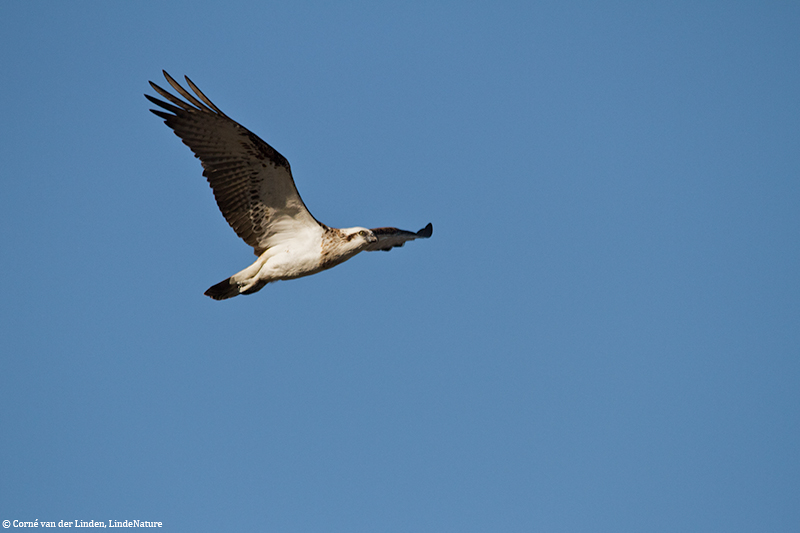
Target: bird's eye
<point x="362" y="233"/>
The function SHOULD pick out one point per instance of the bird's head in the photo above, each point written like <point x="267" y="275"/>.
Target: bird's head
<point x="360" y="237"/>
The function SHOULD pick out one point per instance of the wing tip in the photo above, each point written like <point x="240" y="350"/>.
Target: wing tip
<point x="426" y="232"/>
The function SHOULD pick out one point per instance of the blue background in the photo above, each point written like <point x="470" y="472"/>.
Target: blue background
<point x="602" y="334"/>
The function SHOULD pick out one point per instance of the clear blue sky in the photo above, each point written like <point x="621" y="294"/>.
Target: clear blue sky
<point x="603" y="333"/>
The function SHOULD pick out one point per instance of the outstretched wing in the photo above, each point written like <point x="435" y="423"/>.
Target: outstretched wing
<point x="252" y="182"/>
<point x="388" y="238"/>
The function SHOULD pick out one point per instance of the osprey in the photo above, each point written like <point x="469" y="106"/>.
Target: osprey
<point x="255" y="191"/>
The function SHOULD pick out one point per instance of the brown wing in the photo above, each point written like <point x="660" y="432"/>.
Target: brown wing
<point x="389" y="238"/>
<point x="252" y="182"/>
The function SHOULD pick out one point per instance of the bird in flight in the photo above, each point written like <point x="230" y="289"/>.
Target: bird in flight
<point x="255" y="191"/>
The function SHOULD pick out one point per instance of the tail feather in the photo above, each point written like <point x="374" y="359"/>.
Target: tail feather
<point x="229" y="288"/>
<point x="223" y="290"/>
